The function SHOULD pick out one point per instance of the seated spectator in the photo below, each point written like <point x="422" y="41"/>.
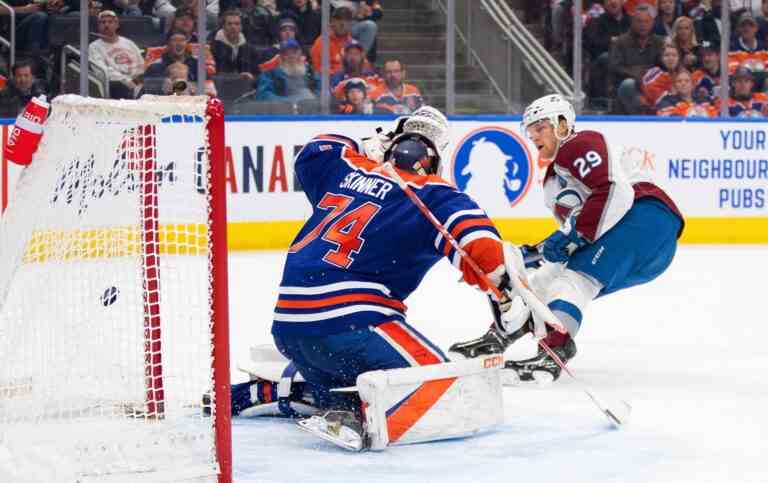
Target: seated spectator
<point x="119" y="55"/>
<point x="177" y="81"/>
<point x="308" y="19"/>
<point x="286" y="30"/>
<point x="272" y="6"/>
<point x="60" y="7"/>
<point x="355" y="99"/>
<point x="666" y="17"/>
<point x="684" y="38"/>
<point x="167" y="9"/>
<point x="658" y="80"/>
<point x="762" y="20"/>
<point x="747" y="40"/>
<point x="396" y="96"/>
<point x="257" y="22"/>
<point x="706" y="20"/>
<point x="184" y="20"/>
<point x="129" y="8"/>
<point x="631" y="5"/>
<point x="229" y="47"/>
<point x="364" y="27"/>
<point x="94" y="8"/>
<point x="31" y="26"/>
<point x="597" y="41"/>
<point x="744" y="102"/>
<point x="632" y="55"/>
<point x="176" y="50"/>
<point x="681" y="102"/>
<point x="706" y="80"/>
<point x="20" y="90"/>
<point x="292" y="81"/>
<point x="341" y="23"/>
<point x="185" y="23"/>
<point x="355" y="67"/>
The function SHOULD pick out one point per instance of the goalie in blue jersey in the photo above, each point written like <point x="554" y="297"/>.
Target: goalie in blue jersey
<point x="341" y="312"/>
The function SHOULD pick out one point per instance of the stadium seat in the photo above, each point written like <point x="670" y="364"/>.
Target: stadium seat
<point x="153" y="85"/>
<point x="142" y="31"/>
<point x="231" y="86"/>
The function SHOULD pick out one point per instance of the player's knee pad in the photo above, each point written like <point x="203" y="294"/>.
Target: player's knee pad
<point x="568" y="295"/>
<point x="433" y="402"/>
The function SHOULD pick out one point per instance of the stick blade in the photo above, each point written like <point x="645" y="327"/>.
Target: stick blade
<point x="618" y="414"/>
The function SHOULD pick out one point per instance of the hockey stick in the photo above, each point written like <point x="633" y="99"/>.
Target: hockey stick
<point x="519" y="281"/>
<point x="617" y="417"/>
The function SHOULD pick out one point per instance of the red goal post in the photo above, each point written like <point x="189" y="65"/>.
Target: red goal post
<point x="113" y="297"/>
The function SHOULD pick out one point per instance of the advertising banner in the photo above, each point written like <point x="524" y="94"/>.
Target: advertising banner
<point x="717" y="173"/>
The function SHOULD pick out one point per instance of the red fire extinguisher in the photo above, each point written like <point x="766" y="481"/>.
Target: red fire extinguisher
<point x="27" y="132"/>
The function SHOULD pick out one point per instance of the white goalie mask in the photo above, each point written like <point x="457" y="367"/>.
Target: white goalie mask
<point x="427" y="122"/>
<point x="430" y="123"/>
<point x="551" y="108"/>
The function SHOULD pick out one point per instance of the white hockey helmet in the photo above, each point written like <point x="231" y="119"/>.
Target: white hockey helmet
<point x="550" y="107"/>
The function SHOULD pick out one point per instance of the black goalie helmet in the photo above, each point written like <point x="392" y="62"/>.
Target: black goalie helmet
<point x="421" y="139"/>
<point x="414" y="153"/>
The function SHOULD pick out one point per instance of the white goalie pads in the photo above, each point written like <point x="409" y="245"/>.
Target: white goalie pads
<point x="431" y="403"/>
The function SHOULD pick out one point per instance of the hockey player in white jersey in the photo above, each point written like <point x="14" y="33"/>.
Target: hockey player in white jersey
<point x="615" y="232"/>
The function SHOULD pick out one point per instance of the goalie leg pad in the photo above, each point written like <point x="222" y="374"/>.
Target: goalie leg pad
<point x="430" y="403"/>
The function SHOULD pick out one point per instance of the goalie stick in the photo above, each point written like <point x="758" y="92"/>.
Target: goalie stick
<point x="617" y="415"/>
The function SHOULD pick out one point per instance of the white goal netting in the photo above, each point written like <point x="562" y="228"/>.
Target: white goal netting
<point x="106" y="290"/>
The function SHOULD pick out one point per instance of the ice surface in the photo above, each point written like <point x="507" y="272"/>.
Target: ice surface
<point x="688" y="351"/>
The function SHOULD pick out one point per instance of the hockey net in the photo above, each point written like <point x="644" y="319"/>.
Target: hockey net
<point x="113" y="314"/>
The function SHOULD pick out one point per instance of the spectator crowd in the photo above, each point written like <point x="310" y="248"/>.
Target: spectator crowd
<point x="265" y="55"/>
<point x="663" y="56"/>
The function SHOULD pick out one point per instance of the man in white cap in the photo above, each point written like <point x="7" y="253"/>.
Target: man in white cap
<point x="119" y="55"/>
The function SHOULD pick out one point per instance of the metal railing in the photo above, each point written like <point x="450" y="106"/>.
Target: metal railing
<point x="542" y="64"/>
<point x="464" y="35"/>
<point x="103" y="75"/>
<point x="11" y="43"/>
<point x="485" y="25"/>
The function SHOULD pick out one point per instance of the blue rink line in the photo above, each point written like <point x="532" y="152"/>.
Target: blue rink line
<point x="486" y="118"/>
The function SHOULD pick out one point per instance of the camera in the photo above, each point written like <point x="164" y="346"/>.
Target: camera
<point x="179" y="86"/>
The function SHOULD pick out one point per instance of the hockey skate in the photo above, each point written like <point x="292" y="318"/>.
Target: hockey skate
<point x="342" y="428"/>
<point x="259" y="397"/>
<point x="492" y="342"/>
<point x="541" y="368"/>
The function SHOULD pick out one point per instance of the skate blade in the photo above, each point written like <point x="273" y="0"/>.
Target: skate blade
<point x="510" y="377"/>
<point x="317" y="426"/>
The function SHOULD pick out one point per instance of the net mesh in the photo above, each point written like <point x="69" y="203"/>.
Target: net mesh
<point x="105" y="298"/>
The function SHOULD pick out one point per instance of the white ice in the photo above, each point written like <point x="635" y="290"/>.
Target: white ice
<point x="689" y="351"/>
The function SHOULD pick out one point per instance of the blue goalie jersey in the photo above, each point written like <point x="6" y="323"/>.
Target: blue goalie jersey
<point x="366" y="246"/>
